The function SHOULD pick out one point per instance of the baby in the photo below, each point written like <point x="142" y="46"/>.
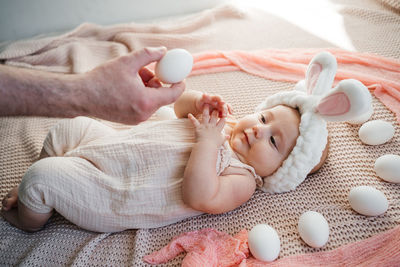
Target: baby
<point x="161" y="172"/>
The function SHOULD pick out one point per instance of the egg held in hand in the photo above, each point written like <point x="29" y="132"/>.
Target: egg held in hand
<point x="175" y="66"/>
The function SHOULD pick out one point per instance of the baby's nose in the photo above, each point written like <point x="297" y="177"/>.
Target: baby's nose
<point x="260" y="131"/>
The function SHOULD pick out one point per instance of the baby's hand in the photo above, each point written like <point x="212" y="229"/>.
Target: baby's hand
<point x="214" y="103"/>
<point x="209" y="128"/>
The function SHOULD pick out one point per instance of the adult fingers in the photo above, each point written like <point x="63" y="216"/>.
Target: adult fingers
<point x="148" y="78"/>
<point x="166" y="95"/>
<point x="146" y="74"/>
<point x="145" y="56"/>
<point x="154" y="82"/>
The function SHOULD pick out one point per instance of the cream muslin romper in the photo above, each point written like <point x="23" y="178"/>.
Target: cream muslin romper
<point x="106" y="180"/>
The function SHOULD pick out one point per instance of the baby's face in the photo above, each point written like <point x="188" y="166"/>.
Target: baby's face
<point x="264" y="140"/>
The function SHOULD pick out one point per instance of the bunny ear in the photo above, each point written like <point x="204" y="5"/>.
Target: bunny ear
<point x="348" y="100"/>
<point x="300" y="86"/>
<point x="320" y="73"/>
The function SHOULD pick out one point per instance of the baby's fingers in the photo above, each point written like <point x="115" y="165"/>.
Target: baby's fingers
<point x="230" y="109"/>
<point x="216" y="98"/>
<point x="224" y="110"/>
<point x="194" y="121"/>
<point x="204" y="100"/>
<point x="206" y="113"/>
<point x="214" y="117"/>
<point x="221" y="124"/>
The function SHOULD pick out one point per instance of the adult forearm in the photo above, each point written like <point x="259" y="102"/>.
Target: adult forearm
<point x="31" y="92"/>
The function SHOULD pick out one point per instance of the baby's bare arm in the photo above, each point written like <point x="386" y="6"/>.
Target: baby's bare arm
<point x="186" y="103"/>
<point x="193" y="102"/>
<point x="205" y="191"/>
<point x="200" y="183"/>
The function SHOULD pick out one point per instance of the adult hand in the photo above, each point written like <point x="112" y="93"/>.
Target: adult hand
<point x="126" y="91"/>
<point x="121" y="90"/>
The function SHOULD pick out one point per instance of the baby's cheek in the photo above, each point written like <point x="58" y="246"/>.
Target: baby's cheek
<point x="266" y="161"/>
<point x="236" y="144"/>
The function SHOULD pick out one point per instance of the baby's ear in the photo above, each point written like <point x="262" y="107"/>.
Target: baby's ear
<point x="323" y="158"/>
<point x="348" y="100"/>
<point x="320" y="74"/>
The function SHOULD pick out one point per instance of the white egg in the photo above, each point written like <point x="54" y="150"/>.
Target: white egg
<point x="175" y="66"/>
<point x="368" y="201"/>
<point x="376" y="132"/>
<point x="264" y="243"/>
<point x="362" y="118"/>
<point x="388" y="168"/>
<point x="165" y="113"/>
<point x="313" y="229"/>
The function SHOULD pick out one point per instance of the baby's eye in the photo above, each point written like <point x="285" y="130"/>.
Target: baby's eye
<point x="263" y="120"/>
<point x="272" y="139"/>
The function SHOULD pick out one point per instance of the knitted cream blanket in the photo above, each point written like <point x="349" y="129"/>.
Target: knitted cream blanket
<point x="349" y="164"/>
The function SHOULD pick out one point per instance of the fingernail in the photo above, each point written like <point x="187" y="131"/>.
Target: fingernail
<point x="161" y="48"/>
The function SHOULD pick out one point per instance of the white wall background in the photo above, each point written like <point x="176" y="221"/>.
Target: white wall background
<point x="21" y="19"/>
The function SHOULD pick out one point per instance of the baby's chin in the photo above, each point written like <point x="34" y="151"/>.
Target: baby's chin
<point x="235" y="144"/>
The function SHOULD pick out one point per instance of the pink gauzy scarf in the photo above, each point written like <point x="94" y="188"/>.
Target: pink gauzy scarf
<point x="381" y="75"/>
<point x="209" y="247"/>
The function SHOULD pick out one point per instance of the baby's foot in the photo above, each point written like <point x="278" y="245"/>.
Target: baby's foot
<point x="11" y="199"/>
<point x="21" y="216"/>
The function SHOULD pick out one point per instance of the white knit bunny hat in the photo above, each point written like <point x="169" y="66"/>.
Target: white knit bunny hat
<point x="317" y="103"/>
